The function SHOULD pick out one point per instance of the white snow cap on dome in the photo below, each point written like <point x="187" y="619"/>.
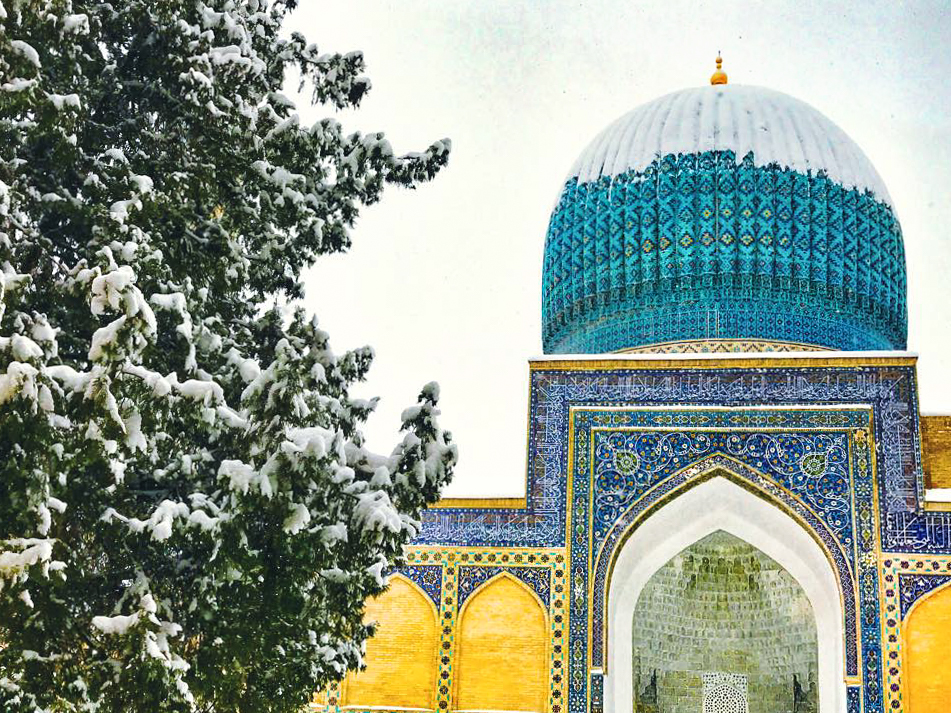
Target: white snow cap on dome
<point x="730" y="117"/>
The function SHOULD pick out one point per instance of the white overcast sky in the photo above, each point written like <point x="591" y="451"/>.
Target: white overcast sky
<point x="445" y="281"/>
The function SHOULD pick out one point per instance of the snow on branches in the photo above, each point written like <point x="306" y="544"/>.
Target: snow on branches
<point x="190" y="519"/>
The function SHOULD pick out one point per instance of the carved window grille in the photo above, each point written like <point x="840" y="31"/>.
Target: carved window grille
<point x="725" y="693"/>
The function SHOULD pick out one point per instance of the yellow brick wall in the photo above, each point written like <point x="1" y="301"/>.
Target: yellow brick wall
<point x="401" y="658"/>
<point x="502" y="650"/>
<point x="936" y="450"/>
<point x="927" y="674"/>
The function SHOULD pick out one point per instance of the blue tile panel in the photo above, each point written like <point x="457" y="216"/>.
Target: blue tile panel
<point x="913" y="587"/>
<point x="891" y="391"/>
<point x="702" y="246"/>
<point x="427" y="577"/>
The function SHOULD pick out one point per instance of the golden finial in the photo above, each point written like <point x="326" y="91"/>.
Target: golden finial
<point x="718" y="77"/>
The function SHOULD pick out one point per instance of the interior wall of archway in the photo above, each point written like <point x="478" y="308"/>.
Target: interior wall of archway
<point x="721" y="608"/>
<point x="718" y="504"/>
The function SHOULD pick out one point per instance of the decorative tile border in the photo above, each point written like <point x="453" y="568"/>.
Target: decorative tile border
<point x="853" y="697"/>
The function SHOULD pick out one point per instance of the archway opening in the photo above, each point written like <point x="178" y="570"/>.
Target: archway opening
<point x="704" y="508"/>
<point x="722" y="627"/>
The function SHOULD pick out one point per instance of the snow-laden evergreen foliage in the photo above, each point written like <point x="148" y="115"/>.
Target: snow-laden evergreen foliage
<point x="189" y="519"/>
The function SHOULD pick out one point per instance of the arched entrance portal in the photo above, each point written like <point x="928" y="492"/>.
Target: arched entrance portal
<point x="722" y="627"/>
<point x="714" y="505"/>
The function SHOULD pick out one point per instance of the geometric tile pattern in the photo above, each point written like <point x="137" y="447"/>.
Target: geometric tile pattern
<point x="913" y="587"/>
<point x="889" y="389"/>
<point x="720" y="346"/>
<point x="813" y="465"/>
<point x="428" y="577"/>
<point x="471" y="578"/>
<point x="839" y="548"/>
<point x="711" y="246"/>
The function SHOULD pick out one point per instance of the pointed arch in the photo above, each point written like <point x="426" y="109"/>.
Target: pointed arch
<point x="926" y="635"/>
<point x="501" y="656"/>
<point x="755" y="482"/>
<point x="401" y="658"/>
<point x="718" y="503"/>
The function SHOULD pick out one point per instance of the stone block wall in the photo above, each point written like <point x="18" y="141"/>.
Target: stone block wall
<point x="936" y="451"/>
<point x="723" y="606"/>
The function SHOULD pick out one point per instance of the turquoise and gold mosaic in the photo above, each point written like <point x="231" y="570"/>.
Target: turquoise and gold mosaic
<point x="708" y="246"/>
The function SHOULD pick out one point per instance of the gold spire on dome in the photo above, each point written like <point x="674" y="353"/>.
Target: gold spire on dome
<point x="718" y="77"/>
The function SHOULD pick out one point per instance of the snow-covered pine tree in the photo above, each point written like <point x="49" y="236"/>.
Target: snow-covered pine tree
<point x="189" y="518"/>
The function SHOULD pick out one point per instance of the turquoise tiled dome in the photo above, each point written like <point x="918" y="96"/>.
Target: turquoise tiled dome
<point x="723" y="214"/>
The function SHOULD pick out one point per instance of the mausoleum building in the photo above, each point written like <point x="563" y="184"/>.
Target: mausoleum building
<point x="733" y="504"/>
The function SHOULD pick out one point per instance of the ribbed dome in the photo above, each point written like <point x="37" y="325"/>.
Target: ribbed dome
<point x="775" y="127"/>
<point x="723" y="217"/>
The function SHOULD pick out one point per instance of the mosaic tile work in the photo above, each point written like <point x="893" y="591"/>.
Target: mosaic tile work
<point x="715" y="465"/>
<point x="853" y="699"/>
<point x="834" y="442"/>
<point x="813" y="466"/>
<point x="708" y="246"/>
<point x="471" y="578"/>
<point x="597" y="692"/>
<point x="720" y="346"/>
<point x="428" y="577"/>
<point x="859" y="576"/>
<point x="912" y="587"/>
<point x="889" y="389"/>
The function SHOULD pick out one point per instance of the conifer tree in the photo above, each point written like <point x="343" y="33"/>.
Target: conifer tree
<point x="189" y="517"/>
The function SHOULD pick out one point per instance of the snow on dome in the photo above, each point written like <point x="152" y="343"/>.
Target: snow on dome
<point x="777" y="128"/>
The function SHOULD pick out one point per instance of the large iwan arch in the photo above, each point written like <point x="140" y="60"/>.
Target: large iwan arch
<point x="713" y="505"/>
